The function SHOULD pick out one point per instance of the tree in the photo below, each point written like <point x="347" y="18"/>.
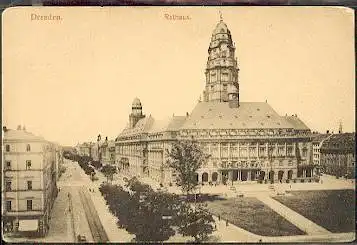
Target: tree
<point x="186" y="157"/>
<point x="109" y="171"/>
<point x="142" y="211"/>
<point x="197" y="223"/>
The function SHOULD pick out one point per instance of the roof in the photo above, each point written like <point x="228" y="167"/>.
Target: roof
<point x="150" y="125"/>
<point x="221" y="27"/>
<point x="249" y="115"/>
<point x="11" y="134"/>
<point x="345" y="142"/>
<point x="141" y="126"/>
<point x="296" y="122"/>
<point x="317" y="138"/>
<point x="136" y="102"/>
<point x="168" y="124"/>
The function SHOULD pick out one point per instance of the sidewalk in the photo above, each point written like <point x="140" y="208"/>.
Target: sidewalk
<point x="298" y="220"/>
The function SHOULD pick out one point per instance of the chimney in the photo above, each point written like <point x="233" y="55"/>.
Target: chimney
<point x="18" y="127"/>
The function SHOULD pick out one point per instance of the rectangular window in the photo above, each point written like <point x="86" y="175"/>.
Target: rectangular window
<point x="289" y="151"/>
<point x="290" y="163"/>
<point x="28" y="164"/>
<point x="281" y="151"/>
<point x="8" y="186"/>
<point x="224" y="87"/>
<point x="243" y="152"/>
<point x="7" y="147"/>
<point x="8" y="165"/>
<point x="304" y="152"/>
<point x="262" y="151"/>
<point x="224" y="151"/>
<point x="281" y="163"/>
<point x="29" y="185"/>
<point x="252" y="151"/>
<point x="29" y="204"/>
<point x="28" y="147"/>
<point x="234" y="150"/>
<point x="8" y="205"/>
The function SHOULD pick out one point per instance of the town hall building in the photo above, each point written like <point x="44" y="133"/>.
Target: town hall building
<point x="246" y="141"/>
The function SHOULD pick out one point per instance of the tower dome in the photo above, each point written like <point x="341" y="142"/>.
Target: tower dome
<point x="136" y="103"/>
<point x="221" y="27"/>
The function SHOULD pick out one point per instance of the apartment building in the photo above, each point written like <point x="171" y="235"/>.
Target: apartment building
<point x="29" y="176"/>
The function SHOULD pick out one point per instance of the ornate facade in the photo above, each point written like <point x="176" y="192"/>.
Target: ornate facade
<point x="247" y="141"/>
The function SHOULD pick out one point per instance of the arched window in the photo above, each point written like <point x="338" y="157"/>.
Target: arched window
<point x="28" y="147"/>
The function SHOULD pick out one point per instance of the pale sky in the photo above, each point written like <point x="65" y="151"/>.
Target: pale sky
<point x="72" y="79"/>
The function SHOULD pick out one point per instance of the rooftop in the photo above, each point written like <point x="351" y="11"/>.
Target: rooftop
<point x="340" y="142"/>
<point x="21" y="134"/>
<point x="249" y="115"/>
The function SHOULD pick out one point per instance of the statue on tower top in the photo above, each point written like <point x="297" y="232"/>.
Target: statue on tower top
<point x="220" y="16"/>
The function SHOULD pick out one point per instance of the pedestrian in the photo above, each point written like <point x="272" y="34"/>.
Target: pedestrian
<point x="290" y="186"/>
<point x="215" y="226"/>
<point x="219" y="217"/>
<point x="226" y="222"/>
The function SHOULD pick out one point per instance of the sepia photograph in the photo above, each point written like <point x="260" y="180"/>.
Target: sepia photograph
<point x="190" y="124"/>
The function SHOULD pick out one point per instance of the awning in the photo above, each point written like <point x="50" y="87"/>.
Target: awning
<point x="28" y="225"/>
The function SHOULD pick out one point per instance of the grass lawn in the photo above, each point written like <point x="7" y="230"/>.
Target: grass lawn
<point x="252" y="215"/>
<point x="332" y="209"/>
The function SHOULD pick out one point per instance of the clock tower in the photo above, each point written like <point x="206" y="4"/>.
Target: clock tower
<point x="222" y="68"/>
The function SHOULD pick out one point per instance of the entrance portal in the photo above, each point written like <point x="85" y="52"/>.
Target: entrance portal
<point x="262" y="175"/>
<point x="235" y="175"/>
<point x="214" y="176"/>
<point x="290" y="174"/>
<point x="280" y="175"/>
<point x="271" y="175"/>
<point x="244" y="175"/>
<point x="204" y="177"/>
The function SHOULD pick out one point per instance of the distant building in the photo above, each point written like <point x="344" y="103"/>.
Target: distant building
<point x="28" y="182"/>
<point x="317" y="140"/>
<point x="338" y="155"/>
<point x="108" y="152"/>
<point x="247" y="141"/>
<point x="85" y="149"/>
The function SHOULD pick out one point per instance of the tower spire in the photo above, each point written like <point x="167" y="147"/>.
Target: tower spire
<point x="340" y="127"/>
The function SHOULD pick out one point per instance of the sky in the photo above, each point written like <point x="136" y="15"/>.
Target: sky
<point x="69" y="80"/>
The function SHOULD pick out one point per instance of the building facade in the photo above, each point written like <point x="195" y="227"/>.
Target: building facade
<point x="85" y="149"/>
<point x="317" y="140"/>
<point x="29" y="181"/>
<point x="246" y="141"/>
<point x="108" y="152"/>
<point x="338" y="155"/>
